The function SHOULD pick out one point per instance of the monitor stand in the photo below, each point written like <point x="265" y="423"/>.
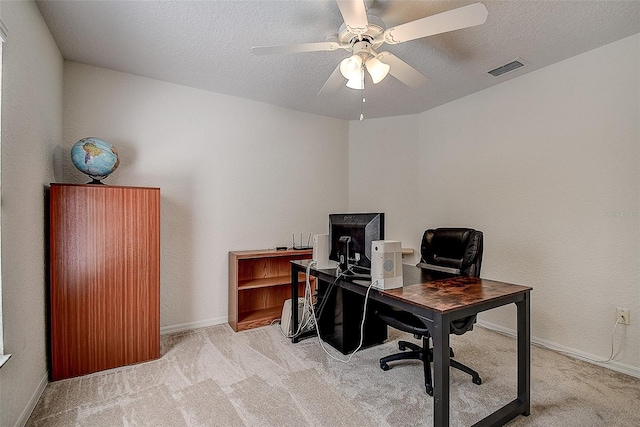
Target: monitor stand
<point x="343" y="252"/>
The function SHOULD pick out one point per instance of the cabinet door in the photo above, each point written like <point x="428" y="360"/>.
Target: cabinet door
<point x="105" y="276"/>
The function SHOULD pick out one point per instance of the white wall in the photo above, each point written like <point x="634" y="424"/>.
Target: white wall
<point x="537" y="163"/>
<point x="31" y="134"/>
<point x="384" y="172"/>
<point x="547" y="166"/>
<point x="234" y="174"/>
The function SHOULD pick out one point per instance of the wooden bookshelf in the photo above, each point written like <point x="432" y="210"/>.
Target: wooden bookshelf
<point x="259" y="284"/>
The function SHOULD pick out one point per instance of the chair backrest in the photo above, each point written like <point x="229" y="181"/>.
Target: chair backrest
<point x="455" y="250"/>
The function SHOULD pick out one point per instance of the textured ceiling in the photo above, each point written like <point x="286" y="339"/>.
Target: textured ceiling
<point x="206" y="44"/>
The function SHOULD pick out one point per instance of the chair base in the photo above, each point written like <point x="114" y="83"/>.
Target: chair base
<point x="425" y="354"/>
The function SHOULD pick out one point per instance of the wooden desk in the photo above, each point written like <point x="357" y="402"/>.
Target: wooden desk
<point x="437" y="303"/>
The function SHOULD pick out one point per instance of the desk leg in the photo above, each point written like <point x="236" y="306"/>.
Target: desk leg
<point x="524" y="353"/>
<point x="441" y="361"/>
<point x="294" y="302"/>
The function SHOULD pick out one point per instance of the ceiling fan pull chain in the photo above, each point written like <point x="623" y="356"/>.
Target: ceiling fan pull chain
<point x="363" y="98"/>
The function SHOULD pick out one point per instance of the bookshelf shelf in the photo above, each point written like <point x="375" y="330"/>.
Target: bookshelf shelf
<point x="259" y="283"/>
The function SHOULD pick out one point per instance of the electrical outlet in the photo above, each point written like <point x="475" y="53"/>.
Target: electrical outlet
<point x="624" y="314"/>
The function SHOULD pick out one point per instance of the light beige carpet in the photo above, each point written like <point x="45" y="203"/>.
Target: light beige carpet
<point x="216" y="377"/>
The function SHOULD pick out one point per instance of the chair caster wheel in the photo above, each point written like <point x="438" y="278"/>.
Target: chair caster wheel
<point x="402" y="347"/>
<point x="429" y="390"/>
<point x="384" y="366"/>
<point x="477" y="381"/>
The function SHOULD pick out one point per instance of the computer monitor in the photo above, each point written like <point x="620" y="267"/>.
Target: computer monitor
<point x="350" y="237"/>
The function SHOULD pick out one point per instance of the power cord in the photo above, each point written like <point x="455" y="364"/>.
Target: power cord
<point x="570" y="353"/>
<point x="364" y="316"/>
<point x="619" y="321"/>
<point x="339" y="274"/>
<point x="308" y="304"/>
<point x="307" y="309"/>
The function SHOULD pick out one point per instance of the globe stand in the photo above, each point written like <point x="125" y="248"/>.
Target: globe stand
<point x="95" y="182"/>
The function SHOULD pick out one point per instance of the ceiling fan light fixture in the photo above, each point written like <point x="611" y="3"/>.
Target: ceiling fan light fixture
<point x="361" y="35"/>
<point x="351" y="67"/>
<point x="356" y="82"/>
<point x="377" y="69"/>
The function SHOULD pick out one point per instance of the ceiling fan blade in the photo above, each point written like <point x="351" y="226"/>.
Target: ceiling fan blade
<point x="455" y="19"/>
<point x="354" y="14"/>
<point x="335" y="80"/>
<point x="295" y="48"/>
<point x="402" y="71"/>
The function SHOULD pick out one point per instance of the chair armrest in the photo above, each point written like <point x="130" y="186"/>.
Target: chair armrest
<point x="438" y="268"/>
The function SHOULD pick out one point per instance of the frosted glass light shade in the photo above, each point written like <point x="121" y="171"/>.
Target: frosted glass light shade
<point x="357" y="82"/>
<point x="351" y="67"/>
<point x="378" y="70"/>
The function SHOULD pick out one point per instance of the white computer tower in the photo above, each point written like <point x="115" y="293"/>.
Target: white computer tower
<point x="386" y="264"/>
<point x="321" y="252"/>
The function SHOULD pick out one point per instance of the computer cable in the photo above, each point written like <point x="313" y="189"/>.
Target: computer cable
<point x="339" y="274"/>
<point x="364" y="316"/>
<point x="308" y="302"/>
<point x="570" y="353"/>
<point x="332" y="285"/>
<point x="618" y="321"/>
<point x="305" y="309"/>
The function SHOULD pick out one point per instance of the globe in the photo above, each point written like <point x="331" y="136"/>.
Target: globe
<point x="95" y="157"/>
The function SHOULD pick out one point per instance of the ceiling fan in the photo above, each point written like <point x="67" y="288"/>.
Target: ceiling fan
<point x="362" y="34"/>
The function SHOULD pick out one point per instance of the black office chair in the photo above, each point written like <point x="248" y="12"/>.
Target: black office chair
<point x="445" y="252"/>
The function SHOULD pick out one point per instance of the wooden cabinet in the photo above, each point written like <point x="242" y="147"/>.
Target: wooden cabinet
<point x="259" y="283"/>
<point x="104" y="261"/>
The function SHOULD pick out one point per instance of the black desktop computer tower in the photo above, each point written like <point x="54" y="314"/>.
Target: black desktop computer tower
<point x="341" y="316"/>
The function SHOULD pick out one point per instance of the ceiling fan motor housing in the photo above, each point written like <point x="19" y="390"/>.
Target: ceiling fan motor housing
<point x="375" y="29"/>
<point x="362" y="48"/>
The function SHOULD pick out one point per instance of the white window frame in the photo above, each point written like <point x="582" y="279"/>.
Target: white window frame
<point x="3" y="37"/>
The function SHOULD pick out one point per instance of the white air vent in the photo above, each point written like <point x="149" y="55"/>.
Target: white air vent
<point x="511" y="66"/>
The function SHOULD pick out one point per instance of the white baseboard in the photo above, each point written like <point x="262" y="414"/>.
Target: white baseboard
<point x="572" y="352"/>
<point x="24" y="417"/>
<point x="181" y="327"/>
